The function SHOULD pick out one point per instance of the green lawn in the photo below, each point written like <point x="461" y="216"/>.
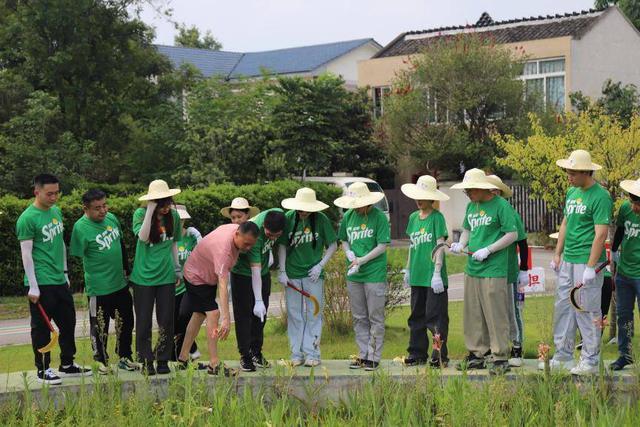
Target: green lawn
<point x="538" y="323"/>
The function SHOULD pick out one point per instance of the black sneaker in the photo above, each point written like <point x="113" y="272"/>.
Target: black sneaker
<point x="221" y="369"/>
<point x="48" y="376"/>
<point x="471" y="362"/>
<point x="260" y="361"/>
<point x="127" y="364"/>
<point x="620" y="363"/>
<point x="74" y="370"/>
<point x="357" y="363"/>
<point x="163" y="368"/>
<point x="148" y="368"/>
<point x="435" y="363"/>
<point x="500" y="367"/>
<point x="414" y="361"/>
<point x="246" y="364"/>
<point x="183" y="366"/>
<point x="515" y="359"/>
<point x="370" y="365"/>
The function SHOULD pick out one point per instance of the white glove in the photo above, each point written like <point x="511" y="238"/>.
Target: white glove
<point x="259" y="310"/>
<point x="351" y="256"/>
<point x="481" y="254"/>
<point x="589" y="275"/>
<point x="315" y="272"/>
<point x="283" y="278"/>
<point x="405" y="279"/>
<point x="456" y="248"/>
<point x="66" y="279"/>
<point x="615" y="256"/>
<point x="555" y="267"/>
<point x="523" y="279"/>
<point x="437" y="284"/>
<point x="270" y="259"/>
<point x="192" y="231"/>
<point x="179" y="274"/>
<point x="34" y="291"/>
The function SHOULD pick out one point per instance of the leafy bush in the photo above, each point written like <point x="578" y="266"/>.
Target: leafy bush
<point x="203" y="205"/>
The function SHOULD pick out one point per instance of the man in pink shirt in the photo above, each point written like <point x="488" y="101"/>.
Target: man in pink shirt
<point x="208" y="266"/>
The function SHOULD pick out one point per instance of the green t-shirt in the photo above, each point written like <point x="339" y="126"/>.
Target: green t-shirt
<point x="487" y="223"/>
<point x="583" y="210"/>
<point x="301" y="255"/>
<point x="514" y="265"/>
<point x="629" y="265"/>
<point x="98" y="244"/>
<point x="259" y="253"/>
<point x="153" y="264"/>
<point x="185" y="247"/>
<point x="364" y="233"/>
<point x="45" y="229"/>
<point x="424" y="235"/>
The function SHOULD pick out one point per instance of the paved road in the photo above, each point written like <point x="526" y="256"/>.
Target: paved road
<point x="18" y="331"/>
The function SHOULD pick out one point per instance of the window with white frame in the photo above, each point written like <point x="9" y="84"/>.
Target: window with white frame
<point x="379" y="95"/>
<point x="546" y="77"/>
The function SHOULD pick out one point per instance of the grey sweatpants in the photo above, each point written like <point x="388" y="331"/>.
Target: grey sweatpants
<point x="367" y="308"/>
<point x="566" y="318"/>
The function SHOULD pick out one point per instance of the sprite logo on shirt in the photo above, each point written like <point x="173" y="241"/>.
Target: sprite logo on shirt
<point x="356" y="233"/>
<point x="420" y="237"/>
<point x="51" y="230"/>
<point x="183" y="253"/>
<point x="304" y="236"/>
<point x="267" y="246"/>
<point x="631" y="229"/>
<point x="576" y="207"/>
<point x="107" y="237"/>
<point x="479" y="219"/>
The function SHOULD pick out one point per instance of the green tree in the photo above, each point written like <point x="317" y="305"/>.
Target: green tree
<point x="617" y="100"/>
<point x="191" y="37"/>
<point x="444" y="107"/>
<point x="631" y="8"/>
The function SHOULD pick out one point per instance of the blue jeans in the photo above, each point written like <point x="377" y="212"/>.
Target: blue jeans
<point x="304" y="329"/>
<point x="627" y="293"/>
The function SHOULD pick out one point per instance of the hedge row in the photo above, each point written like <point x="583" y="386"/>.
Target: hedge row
<point x="203" y="205"/>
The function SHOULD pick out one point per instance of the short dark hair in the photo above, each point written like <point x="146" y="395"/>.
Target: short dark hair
<point x="43" y="179"/>
<point x="633" y="197"/>
<point x="246" y="210"/>
<point x="274" y="221"/>
<point x="92" y="196"/>
<point x="249" y="227"/>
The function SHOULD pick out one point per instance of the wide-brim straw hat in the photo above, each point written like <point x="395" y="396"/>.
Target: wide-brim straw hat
<point x="304" y="201"/>
<point x="504" y="188"/>
<point x="239" y="203"/>
<point x="474" y="178"/>
<point x="579" y="160"/>
<point x="631" y="186"/>
<point x="425" y="189"/>
<point x="358" y="196"/>
<point x="159" y="189"/>
<point x="182" y="212"/>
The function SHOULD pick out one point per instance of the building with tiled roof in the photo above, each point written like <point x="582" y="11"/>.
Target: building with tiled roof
<point x="340" y="58"/>
<point x="565" y="52"/>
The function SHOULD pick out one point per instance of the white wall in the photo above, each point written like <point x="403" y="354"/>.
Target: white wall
<point x="347" y="65"/>
<point x="454" y="208"/>
<point x="610" y="49"/>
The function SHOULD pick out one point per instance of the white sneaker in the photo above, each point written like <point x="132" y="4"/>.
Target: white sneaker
<point x="557" y="365"/>
<point x="103" y="369"/>
<point x="517" y="362"/>
<point x="311" y="363"/>
<point x="195" y="355"/>
<point x="584" y="368"/>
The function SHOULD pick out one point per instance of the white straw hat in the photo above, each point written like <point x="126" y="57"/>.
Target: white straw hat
<point x="504" y="188"/>
<point x="159" y="189"/>
<point x="305" y="201"/>
<point x="358" y="196"/>
<point x="631" y="186"/>
<point x="425" y="189"/>
<point x="579" y="160"/>
<point x="474" y="178"/>
<point x="182" y="212"/>
<point x="239" y="203"/>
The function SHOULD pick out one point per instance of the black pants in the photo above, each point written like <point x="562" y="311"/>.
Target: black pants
<point x="119" y="307"/>
<point x="429" y="312"/>
<point x="180" y="323"/>
<point x="57" y="302"/>
<point x="249" y="328"/>
<point x="144" y="299"/>
<point x="607" y="291"/>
